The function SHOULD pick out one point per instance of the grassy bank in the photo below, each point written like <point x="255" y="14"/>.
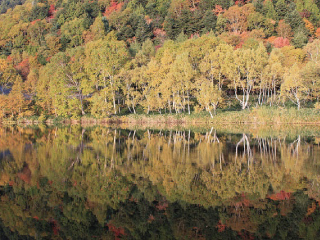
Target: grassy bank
<point x="261" y="115"/>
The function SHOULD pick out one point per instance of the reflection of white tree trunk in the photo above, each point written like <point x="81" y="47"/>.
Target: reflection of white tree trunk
<point x="211" y="138"/>
<point x="268" y="148"/>
<point x="246" y="149"/>
<point x="295" y="147"/>
<point x="113" y="149"/>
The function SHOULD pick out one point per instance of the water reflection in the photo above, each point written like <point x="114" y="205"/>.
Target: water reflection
<point x="111" y="183"/>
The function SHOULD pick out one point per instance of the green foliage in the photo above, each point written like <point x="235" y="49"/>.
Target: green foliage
<point x="7" y="4"/>
<point x="127" y="60"/>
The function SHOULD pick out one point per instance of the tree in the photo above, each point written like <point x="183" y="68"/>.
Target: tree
<point x="237" y="17"/>
<point x="313" y="51"/>
<point x="269" y="10"/>
<point x="8" y="76"/>
<point x="181" y="74"/>
<point x="293" y="18"/>
<point x="281" y="8"/>
<point x="293" y="86"/>
<point x="214" y="64"/>
<point x="208" y="95"/>
<point x="104" y="59"/>
<point x="16" y="100"/>
<point x="284" y="30"/>
<point x="244" y="71"/>
<point x="273" y="75"/>
<point x="300" y="39"/>
<point x="311" y="78"/>
<point x="72" y="32"/>
<point x="98" y="28"/>
<point x="143" y="31"/>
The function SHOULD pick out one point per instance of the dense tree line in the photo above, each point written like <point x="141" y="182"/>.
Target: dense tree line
<point x="108" y="57"/>
<point x="6" y="4"/>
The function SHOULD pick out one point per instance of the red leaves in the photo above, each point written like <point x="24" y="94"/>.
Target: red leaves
<point x="244" y="202"/>
<point x="194" y="35"/>
<point x="281" y="42"/>
<point x="33" y="22"/>
<point x="218" y="10"/>
<point x="282" y="195"/>
<point x="241" y="2"/>
<point x="51" y="10"/>
<point x="221" y="227"/>
<point x="114" y="7"/>
<point x="23" y="68"/>
<point x="9" y="58"/>
<point x="162" y="206"/>
<point x="118" y="232"/>
<point x="25" y="175"/>
<point x="55" y="226"/>
<point x="159" y="32"/>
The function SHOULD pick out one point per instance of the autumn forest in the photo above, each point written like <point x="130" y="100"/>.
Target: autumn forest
<point x="75" y="58"/>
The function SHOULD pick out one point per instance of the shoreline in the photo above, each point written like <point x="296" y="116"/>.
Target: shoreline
<point x="259" y="116"/>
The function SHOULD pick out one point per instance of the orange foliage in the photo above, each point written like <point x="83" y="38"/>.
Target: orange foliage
<point x="281" y="42"/>
<point x="33" y="22"/>
<point x="271" y="39"/>
<point x="282" y="195"/>
<point x="159" y="32"/>
<point x="284" y="30"/>
<point x="221" y="227"/>
<point x="194" y="35"/>
<point x="23" y="68"/>
<point x="118" y="232"/>
<point x="237" y="17"/>
<point x="317" y="33"/>
<point x="51" y="10"/>
<point x="9" y="58"/>
<point x="312" y="208"/>
<point x="113" y="7"/>
<point x="148" y="19"/>
<point x="162" y="206"/>
<point x="218" y="10"/>
<point x="309" y="25"/>
<point x="244" y="202"/>
<point x="25" y="175"/>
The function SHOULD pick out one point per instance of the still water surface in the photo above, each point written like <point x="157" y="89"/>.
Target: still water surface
<point x="159" y="183"/>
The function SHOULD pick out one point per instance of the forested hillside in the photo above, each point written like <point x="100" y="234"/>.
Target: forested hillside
<point x="69" y="58"/>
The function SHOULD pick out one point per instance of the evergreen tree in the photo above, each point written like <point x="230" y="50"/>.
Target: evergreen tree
<point x="293" y="18"/>
<point x="269" y="11"/>
<point x="171" y="26"/>
<point x="209" y="21"/>
<point x="281" y="9"/>
<point x="143" y="31"/>
<point x="300" y="39"/>
<point x="258" y="5"/>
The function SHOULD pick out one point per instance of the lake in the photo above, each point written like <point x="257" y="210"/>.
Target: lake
<point x="160" y="182"/>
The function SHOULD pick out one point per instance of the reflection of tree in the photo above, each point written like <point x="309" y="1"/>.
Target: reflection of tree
<point x="247" y="152"/>
<point x="137" y="181"/>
